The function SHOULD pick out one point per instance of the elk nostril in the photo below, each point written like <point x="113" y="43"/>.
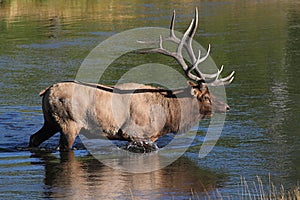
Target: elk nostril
<point x="227" y="108"/>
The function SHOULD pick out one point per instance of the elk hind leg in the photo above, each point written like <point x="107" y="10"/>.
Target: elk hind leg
<point x="42" y="135"/>
<point x="68" y="134"/>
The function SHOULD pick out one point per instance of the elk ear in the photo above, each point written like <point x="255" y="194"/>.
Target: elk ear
<point x="194" y="88"/>
<point x="194" y="92"/>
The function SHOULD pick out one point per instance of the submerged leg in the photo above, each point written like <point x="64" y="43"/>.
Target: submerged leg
<point x="68" y="135"/>
<point x="43" y="134"/>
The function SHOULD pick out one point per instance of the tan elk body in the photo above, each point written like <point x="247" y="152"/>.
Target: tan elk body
<point x="134" y="112"/>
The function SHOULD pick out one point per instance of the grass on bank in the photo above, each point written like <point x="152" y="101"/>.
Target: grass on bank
<point x="254" y="191"/>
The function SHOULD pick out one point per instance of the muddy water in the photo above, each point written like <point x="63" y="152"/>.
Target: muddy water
<point x="45" y="42"/>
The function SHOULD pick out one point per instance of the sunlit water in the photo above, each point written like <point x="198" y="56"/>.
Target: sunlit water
<point x="43" y="42"/>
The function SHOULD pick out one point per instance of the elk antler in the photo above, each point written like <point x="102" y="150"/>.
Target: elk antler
<point x="186" y="43"/>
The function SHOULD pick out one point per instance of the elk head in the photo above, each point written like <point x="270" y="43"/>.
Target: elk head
<point x="200" y="81"/>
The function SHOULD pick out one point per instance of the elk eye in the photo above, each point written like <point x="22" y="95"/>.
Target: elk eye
<point x="206" y="98"/>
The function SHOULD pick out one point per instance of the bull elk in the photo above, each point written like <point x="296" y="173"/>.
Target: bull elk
<point x="73" y="107"/>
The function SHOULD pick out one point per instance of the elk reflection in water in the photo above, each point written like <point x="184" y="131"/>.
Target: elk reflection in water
<point x="71" y="176"/>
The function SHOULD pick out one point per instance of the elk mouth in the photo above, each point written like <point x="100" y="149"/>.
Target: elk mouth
<point x="206" y="114"/>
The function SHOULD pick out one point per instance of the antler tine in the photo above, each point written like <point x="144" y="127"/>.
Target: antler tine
<point x="228" y="78"/>
<point x="223" y="81"/>
<point x="184" y="38"/>
<point x="195" y="25"/>
<point x="213" y="76"/>
<point x="189" y="46"/>
<point x="200" y="60"/>
<point x="172" y="34"/>
<point x="197" y="62"/>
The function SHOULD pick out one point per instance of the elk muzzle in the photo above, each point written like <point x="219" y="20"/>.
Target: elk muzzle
<point x="219" y="106"/>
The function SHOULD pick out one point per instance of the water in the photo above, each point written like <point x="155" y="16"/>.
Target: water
<point x="43" y="42"/>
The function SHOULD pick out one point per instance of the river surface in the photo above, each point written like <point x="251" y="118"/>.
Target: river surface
<point x="43" y="42"/>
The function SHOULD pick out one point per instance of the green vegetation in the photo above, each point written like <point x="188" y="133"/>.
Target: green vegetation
<point x="255" y="190"/>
